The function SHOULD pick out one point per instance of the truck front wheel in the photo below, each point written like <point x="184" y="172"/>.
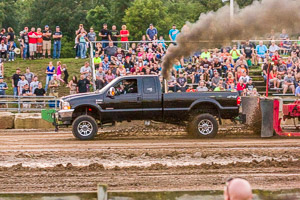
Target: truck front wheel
<point x="84" y="127"/>
<point x="203" y="126"/>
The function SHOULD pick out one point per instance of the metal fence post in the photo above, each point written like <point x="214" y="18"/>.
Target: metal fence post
<point x="102" y="192"/>
<point x="19" y="104"/>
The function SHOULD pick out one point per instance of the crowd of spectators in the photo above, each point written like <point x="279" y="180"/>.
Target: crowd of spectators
<point x="225" y="69"/>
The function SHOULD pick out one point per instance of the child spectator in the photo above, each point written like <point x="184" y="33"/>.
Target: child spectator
<point x="181" y="83"/>
<point x="39" y="43"/>
<point x="3" y="51"/>
<point x="59" y="72"/>
<point x="240" y="87"/>
<point x="73" y="85"/>
<point x="201" y="87"/>
<point x="66" y="74"/>
<point x="191" y="89"/>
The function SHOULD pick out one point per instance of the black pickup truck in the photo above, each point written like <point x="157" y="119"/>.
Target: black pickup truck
<point x="143" y="98"/>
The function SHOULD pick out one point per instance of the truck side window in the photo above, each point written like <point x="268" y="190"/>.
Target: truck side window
<point x="149" y="85"/>
<point x="126" y="86"/>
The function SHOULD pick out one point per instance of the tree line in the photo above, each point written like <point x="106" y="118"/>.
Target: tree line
<point x="136" y="14"/>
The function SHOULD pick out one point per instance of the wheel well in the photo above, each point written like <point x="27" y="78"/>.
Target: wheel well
<point x="205" y="107"/>
<point x="86" y="110"/>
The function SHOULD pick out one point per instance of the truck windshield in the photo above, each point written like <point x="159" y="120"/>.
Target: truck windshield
<point x="109" y="85"/>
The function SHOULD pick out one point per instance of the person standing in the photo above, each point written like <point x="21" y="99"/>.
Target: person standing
<point x="82" y="84"/>
<point x="173" y="33"/>
<point x="124" y="34"/>
<point x="15" y="80"/>
<point x="10" y="36"/>
<point x="113" y="35"/>
<point x="57" y="35"/>
<point x="151" y="32"/>
<point x="104" y="33"/>
<point x="3" y="86"/>
<point x="66" y="74"/>
<point x="25" y="43"/>
<point x="39" y="43"/>
<point x="28" y="75"/>
<point x="59" y="72"/>
<point x="50" y="71"/>
<point x="34" y="84"/>
<point x="32" y="43"/>
<point x="47" y="33"/>
<point x="91" y="36"/>
<point x="3" y="51"/>
<point x="21" y="84"/>
<point x="82" y="39"/>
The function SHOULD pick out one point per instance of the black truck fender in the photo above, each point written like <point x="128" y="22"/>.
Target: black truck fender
<point x="89" y="109"/>
<point x="209" y="104"/>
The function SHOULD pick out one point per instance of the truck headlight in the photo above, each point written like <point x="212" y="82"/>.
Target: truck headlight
<point x="66" y="106"/>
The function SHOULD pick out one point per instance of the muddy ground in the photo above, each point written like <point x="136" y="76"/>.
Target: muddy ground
<point x="159" y="157"/>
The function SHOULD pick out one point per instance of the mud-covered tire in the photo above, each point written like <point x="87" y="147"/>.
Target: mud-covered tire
<point x="84" y="127"/>
<point x="203" y="126"/>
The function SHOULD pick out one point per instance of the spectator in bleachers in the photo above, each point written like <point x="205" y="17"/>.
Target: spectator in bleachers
<point x="97" y="61"/>
<point x="190" y="89"/>
<point x="240" y="87"/>
<point x="274" y="77"/>
<point x="248" y="52"/>
<point x="297" y="92"/>
<point x="100" y="79"/>
<point x="104" y="33"/>
<point x="235" y="53"/>
<point x="3" y="86"/>
<point x="3" y="51"/>
<point x="10" y="36"/>
<point x="250" y="87"/>
<point x="283" y="36"/>
<point x="205" y="54"/>
<point x="215" y="80"/>
<point x="267" y="67"/>
<point x="109" y="76"/>
<point x="202" y="87"/>
<point x="151" y="32"/>
<point x="245" y="78"/>
<point x="181" y="83"/>
<point x="172" y="83"/>
<point x="124" y="34"/>
<point x="189" y="72"/>
<point x="1" y="69"/>
<point x="216" y="65"/>
<point x="86" y="70"/>
<point x="221" y="86"/>
<point x="11" y="51"/>
<point x="110" y="50"/>
<point x="287" y="45"/>
<point x="113" y="35"/>
<point x="273" y="48"/>
<point x="105" y="64"/>
<point x="261" y="51"/>
<point x="289" y="83"/>
<point x="173" y="33"/>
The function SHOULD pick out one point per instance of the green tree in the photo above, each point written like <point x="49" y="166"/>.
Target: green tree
<point x="143" y="12"/>
<point x="98" y="16"/>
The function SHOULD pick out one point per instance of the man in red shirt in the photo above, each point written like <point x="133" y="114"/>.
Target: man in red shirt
<point x="124" y="37"/>
<point x="32" y="42"/>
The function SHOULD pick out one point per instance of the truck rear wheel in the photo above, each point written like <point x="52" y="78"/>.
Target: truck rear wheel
<point x="203" y="126"/>
<point x="84" y="127"/>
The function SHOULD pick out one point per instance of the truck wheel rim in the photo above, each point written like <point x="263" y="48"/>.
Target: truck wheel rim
<point x="205" y="127"/>
<point x="85" y="128"/>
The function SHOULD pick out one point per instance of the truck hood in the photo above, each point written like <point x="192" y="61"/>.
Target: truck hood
<point x="79" y="96"/>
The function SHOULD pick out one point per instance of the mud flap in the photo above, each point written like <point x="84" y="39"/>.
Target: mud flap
<point x="267" y="106"/>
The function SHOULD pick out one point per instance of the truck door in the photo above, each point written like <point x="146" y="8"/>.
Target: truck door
<point x="152" y="107"/>
<point x="127" y="102"/>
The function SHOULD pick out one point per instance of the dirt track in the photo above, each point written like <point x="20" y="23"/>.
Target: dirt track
<point x="46" y="161"/>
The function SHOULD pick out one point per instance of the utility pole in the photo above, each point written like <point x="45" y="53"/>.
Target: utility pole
<point x="231" y="9"/>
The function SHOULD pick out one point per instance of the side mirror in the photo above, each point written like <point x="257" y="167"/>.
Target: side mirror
<point x="111" y="92"/>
